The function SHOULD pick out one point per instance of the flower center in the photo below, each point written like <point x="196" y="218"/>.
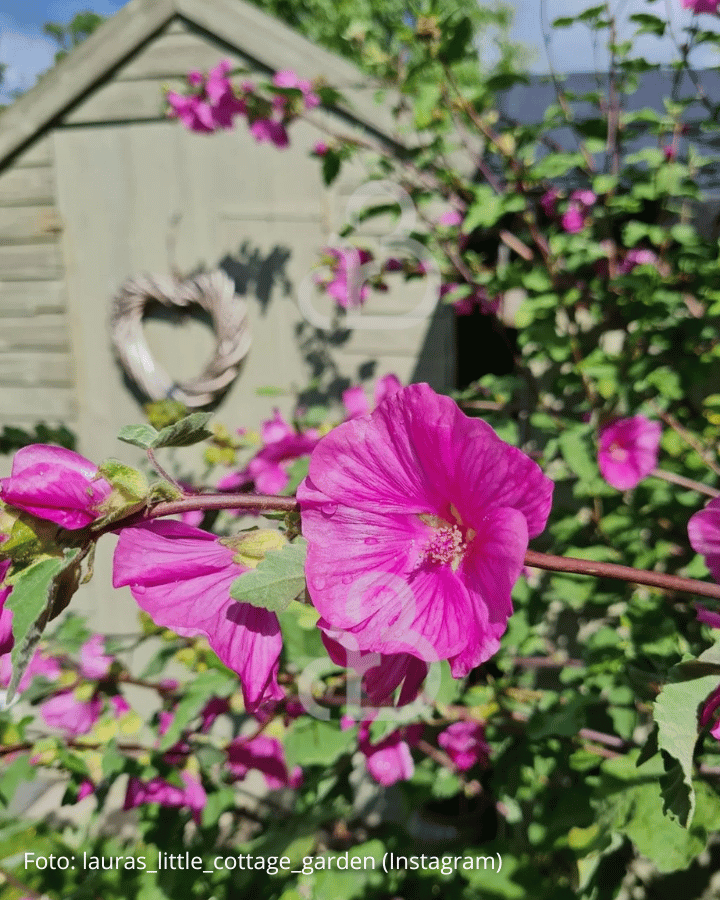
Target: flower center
<point x="447" y="544"/>
<point x="618" y="453"/>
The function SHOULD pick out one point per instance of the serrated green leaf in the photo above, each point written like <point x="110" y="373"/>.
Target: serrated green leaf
<point x="138" y="435"/>
<point x="277" y="580"/>
<point x="188" y="431"/>
<point x="31" y="601"/>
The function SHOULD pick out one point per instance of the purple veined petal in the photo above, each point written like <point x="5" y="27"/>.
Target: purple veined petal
<point x="181" y="576"/>
<point x="55" y="484"/>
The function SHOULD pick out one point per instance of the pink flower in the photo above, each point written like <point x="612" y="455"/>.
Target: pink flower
<point x="465" y="744"/>
<point x="267" y="130"/>
<point x="94" y="664"/>
<point x="549" y="200"/>
<point x="704" y="534"/>
<point x="55" y="484"/>
<point x="269" y="468"/>
<point x="86" y="788"/>
<point x="157" y="790"/>
<point x="182" y="576"/>
<point x="386" y="386"/>
<point x="265" y="754"/>
<point x="320" y="148"/>
<point x="193" y="112"/>
<point x="451" y="219"/>
<point x="288" y="79"/>
<point x="573" y="219"/>
<point x="390" y="760"/>
<point x="669" y="152"/>
<point x="418" y="520"/>
<point x="65" y="712"/>
<point x="40" y="665"/>
<point x="628" y="451"/>
<point x="708" y="616"/>
<point x="638" y="256"/>
<point x="347" y="287"/>
<point x="701" y="6"/>
<point x="355" y="402"/>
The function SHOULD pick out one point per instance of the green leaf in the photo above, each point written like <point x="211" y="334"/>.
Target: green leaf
<point x="138" y="435"/>
<point x="277" y="580"/>
<point x="205" y="685"/>
<point x="311" y="742"/>
<point x="676" y="712"/>
<point x="188" y="431"/>
<point x="330" y="169"/>
<point x="32" y="600"/>
<point x="456" y="40"/>
<point x="574" y="449"/>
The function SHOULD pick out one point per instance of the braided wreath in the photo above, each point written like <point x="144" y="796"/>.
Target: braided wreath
<point x="215" y="293"/>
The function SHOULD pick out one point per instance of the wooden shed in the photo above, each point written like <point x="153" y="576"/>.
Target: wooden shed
<point x="97" y="186"/>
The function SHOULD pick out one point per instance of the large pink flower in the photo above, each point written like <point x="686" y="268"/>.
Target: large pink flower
<point x="55" y="484"/>
<point x="704" y="534"/>
<point x="628" y="451"/>
<point x="67" y="713"/>
<point x="418" y="520"/>
<point x="6" y="635"/>
<point x="702" y="6"/>
<point x="182" y="576"/>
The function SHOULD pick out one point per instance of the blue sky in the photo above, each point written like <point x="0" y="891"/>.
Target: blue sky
<point x="28" y="52"/>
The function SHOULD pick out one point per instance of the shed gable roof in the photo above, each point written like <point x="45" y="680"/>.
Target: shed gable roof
<point x="255" y="34"/>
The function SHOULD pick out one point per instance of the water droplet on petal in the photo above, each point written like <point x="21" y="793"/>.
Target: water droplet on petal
<point x="347" y="579"/>
<point x="371" y="541"/>
<point x="319" y="583"/>
<point x="328" y="509"/>
<point x="139" y="589"/>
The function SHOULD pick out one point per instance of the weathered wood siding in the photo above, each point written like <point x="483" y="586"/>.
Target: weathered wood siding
<point x="36" y="372"/>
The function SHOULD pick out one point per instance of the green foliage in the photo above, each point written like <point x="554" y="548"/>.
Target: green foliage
<point x="276" y="581"/>
<point x="183" y="433"/>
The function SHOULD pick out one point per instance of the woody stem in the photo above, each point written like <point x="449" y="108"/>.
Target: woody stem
<point x="569" y="564"/>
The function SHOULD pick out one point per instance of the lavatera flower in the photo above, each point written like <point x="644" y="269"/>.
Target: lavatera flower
<point x="418" y="519"/>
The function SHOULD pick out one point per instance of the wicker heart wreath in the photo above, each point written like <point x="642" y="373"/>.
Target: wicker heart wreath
<point x="215" y="293"/>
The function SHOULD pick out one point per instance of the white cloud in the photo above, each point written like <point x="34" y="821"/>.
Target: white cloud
<point x="26" y="55"/>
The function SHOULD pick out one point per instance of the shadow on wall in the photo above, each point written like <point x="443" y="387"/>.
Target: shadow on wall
<point x="258" y="276"/>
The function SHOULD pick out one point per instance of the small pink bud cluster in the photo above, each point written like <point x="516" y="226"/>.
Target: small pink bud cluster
<point x="213" y="104"/>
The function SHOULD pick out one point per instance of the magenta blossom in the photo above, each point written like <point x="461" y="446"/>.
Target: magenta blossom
<point x="390" y="760"/>
<point x="548" y="202"/>
<point x="288" y="79"/>
<point x="269" y="131"/>
<point x="628" y="451"/>
<point x="638" y="256"/>
<point x="320" y="148"/>
<point x="465" y="744"/>
<point x="702" y="6"/>
<point x="67" y="713"/>
<point x="55" y="484"/>
<point x="417" y="519"/>
<point x="182" y="576"/>
<point x="356" y="403"/>
<point x="265" y="754"/>
<point x="346" y="286"/>
<point x="94" y="664"/>
<point x="40" y="665"/>
<point x="704" y="534"/>
<point x="192" y="795"/>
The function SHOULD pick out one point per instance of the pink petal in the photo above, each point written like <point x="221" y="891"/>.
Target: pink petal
<point x="182" y="576"/>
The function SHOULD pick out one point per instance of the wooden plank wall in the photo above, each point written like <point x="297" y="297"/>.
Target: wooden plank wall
<point x="36" y="371"/>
